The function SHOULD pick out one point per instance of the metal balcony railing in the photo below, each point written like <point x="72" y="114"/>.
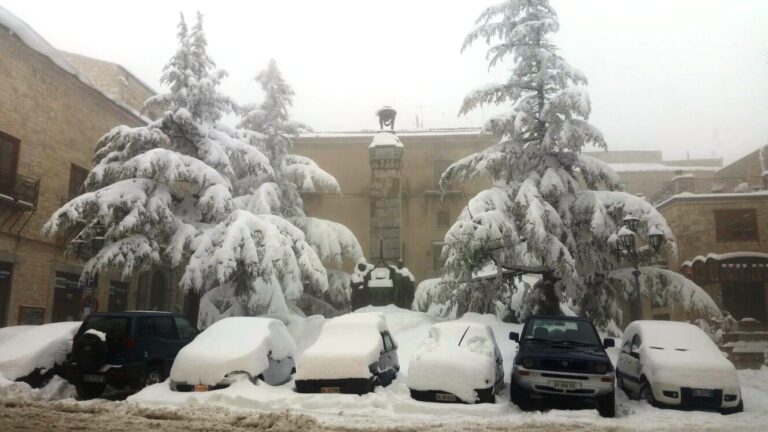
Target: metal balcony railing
<point x="20" y="192"/>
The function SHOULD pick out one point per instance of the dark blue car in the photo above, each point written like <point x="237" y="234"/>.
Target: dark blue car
<point x="562" y="358"/>
<point x="125" y="349"/>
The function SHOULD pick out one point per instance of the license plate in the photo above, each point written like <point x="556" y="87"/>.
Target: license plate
<point x="93" y="378"/>
<point x="201" y="387"/>
<point x="702" y="393"/>
<point x="330" y="390"/>
<point x="565" y="385"/>
<point x="445" y="397"/>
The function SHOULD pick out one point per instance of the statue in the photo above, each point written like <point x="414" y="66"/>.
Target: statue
<point x="386" y="116"/>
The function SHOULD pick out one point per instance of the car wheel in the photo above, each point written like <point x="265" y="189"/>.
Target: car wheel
<point x="646" y="394"/>
<point x="152" y="376"/>
<point x="87" y="391"/>
<point x="735" y="410"/>
<point x="519" y="396"/>
<point x="606" y="405"/>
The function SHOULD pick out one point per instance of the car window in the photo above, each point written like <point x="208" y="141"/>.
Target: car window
<point x="558" y="330"/>
<point x="636" y="342"/>
<point x="162" y="327"/>
<point x="388" y="344"/>
<point x="185" y="329"/>
<point x="625" y="346"/>
<point x="112" y="326"/>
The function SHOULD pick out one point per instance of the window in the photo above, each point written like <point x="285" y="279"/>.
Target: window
<point x="161" y="327"/>
<point x="443" y="218"/>
<point x="736" y="225"/>
<point x="77" y="176"/>
<point x="636" y="342"/>
<point x="114" y="327"/>
<point x="185" y="329"/>
<point x="388" y="344"/>
<point x="437" y="259"/>
<point x="9" y="160"/>
<point x="118" y="296"/>
<point x="440" y="167"/>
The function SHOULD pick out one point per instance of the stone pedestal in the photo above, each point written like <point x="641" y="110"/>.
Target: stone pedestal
<point x="385" y="157"/>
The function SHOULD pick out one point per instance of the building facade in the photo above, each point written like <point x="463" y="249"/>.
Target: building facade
<point x="51" y="116"/>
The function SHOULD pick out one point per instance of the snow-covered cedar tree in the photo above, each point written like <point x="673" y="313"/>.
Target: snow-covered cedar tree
<point x="164" y="193"/>
<point x="551" y="209"/>
<point x="280" y="195"/>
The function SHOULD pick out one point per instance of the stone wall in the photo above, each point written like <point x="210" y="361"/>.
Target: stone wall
<point x="58" y="120"/>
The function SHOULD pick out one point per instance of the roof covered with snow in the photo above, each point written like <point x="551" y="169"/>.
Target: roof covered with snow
<point x="658" y="167"/>
<point x="723" y="257"/>
<point x="687" y="196"/>
<point x="36" y="42"/>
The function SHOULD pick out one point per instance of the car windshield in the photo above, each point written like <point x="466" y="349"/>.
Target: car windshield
<point x="112" y="326"/>
<point x="565" y="332"/>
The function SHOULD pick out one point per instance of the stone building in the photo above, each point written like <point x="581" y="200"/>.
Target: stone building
<point x="722" y="238"/>
<point x="51" y="116"/>
<point x="647" y="174"/>
<point x="389" y="189"/>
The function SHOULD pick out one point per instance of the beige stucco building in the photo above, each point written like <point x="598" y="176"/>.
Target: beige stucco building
<point x="51" y="116"/>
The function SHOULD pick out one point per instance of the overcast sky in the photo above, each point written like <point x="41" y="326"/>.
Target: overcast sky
<point x="682" y="76"/>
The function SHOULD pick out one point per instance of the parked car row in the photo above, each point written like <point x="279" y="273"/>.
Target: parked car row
<point x="668" y="364"/>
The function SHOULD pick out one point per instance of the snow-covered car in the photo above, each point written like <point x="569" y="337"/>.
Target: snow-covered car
<point x="33" y="354"/>
<point x="458" y="362"/>
<point x="258" y="348"/>
<point x="353" y="354"/>
<point x="563" y="358"/>
<point x="675" y="364"/>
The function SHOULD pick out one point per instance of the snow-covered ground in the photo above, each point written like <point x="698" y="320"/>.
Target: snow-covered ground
<point x="393" y="407"/>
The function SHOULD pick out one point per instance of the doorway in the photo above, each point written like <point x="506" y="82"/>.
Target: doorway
<point x="6" y="275"/>
<point x="745" y="300"/>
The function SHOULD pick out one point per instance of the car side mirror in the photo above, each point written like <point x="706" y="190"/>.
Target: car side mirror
<point x="514" y="336"/>
<point x="609" y="343"/>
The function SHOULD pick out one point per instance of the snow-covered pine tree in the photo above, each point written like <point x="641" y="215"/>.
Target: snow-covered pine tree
<point x="551" y="209"/>
<point x="164" y="193"/>
<point x="293" y="174"/>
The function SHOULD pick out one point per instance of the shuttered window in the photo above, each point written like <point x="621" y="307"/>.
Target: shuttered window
<point x="736" y="225"/>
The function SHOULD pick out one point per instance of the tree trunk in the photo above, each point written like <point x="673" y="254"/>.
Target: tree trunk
<point x="550" y="302"/>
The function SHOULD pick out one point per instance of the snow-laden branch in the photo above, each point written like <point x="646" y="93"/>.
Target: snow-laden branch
<point x="670" y="287"/>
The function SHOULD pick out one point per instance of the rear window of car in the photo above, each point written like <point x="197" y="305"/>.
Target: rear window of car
<point x="112" y="326"/>
<point x="162" y="327"/>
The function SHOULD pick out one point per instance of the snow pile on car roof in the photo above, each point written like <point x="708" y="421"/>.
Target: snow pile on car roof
<point x="345" y="348"/>
<point x="457" y="358"/>
<point x="229" y="345"/>
<point x="39" y="347"/>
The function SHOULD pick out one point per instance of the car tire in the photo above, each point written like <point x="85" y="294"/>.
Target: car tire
<point x="87" y="391"/>
<point x="606" y="405"/>
<point x="519" y="396"/>
<point x="735" y="410"/>
<point x="151" y="376"/>
<point x="646" y="393"/>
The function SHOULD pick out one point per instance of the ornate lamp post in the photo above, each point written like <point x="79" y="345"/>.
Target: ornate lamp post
<point x="626" y="245"/>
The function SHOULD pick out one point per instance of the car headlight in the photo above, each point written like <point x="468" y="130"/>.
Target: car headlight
<point x="601" y="368"/>
<point x="528" y="362"/>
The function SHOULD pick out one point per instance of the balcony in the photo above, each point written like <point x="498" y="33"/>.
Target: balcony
<point x="19" y="192"/>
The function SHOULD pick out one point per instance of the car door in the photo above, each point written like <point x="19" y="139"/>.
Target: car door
<point x="632" y="364"/>
<point x="160" y="339"/>
<point x="388" y="361"/>
<point x="186" y="333"/>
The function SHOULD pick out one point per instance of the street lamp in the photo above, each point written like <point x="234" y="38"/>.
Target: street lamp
<point x="626" y="245"/>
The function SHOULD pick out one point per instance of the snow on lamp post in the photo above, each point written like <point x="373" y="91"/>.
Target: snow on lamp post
<point x="626" y="245"/>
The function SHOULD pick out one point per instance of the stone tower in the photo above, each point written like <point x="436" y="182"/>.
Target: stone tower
<point x="385" y="157"/>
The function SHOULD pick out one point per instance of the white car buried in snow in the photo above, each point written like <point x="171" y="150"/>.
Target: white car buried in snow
<point x="458" y="362"/>
<point x="259" y="348"/>
<point x="676" y="364"/>
<point x="353" y="354"/>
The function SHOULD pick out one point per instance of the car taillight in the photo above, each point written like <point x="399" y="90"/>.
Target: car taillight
<point x="129" y="342"/>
